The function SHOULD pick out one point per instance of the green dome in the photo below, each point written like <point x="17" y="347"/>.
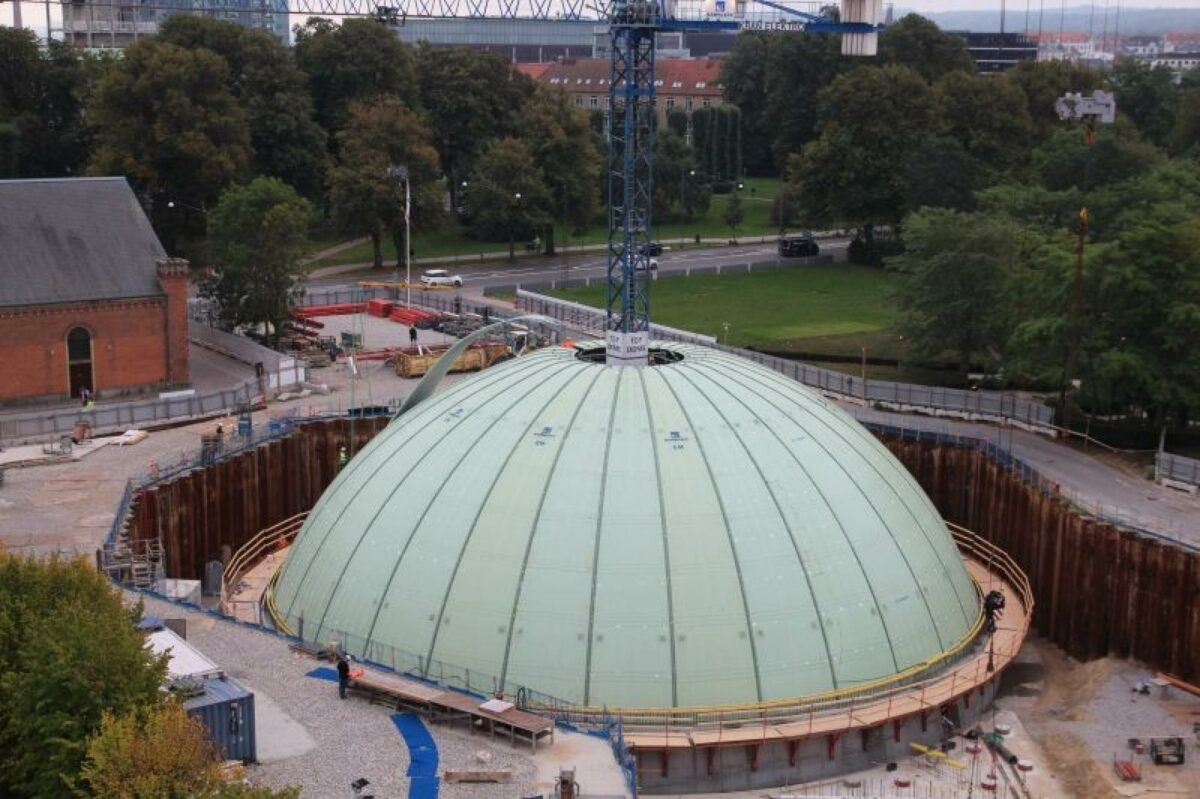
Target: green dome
<point x="700" y="532"/>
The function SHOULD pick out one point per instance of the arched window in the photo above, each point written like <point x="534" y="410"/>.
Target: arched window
<point x="79" y="361"/>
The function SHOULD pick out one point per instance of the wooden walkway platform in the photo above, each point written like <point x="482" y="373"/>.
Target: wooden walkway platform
<point x="452" y="706"/>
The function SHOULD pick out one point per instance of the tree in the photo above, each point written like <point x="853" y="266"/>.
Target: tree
<point x="1148" y="96"/>
<point x="508" y="196"/>
<point x="952" y="282"/>
<point x="940" y="173"/>
<point x="674" y="161"/>
<point x="717" y="142"/>
<point x="259" y="234"/>
<point x="357" y="61"/>
<point x="42" y="96"/>
<point x="155" y="752"/>
<point x="744" y="76"/>
<point x="1066" y="160"/>
<point x="919" y="44"/>
<point x="1185" y="135"/>
<point x="164" y="118"/>
<point x="286" y="140"/>
<point x="774" y="80"/>
<point x="1043" y="82"/>
<point x="367" y="198"/>
<point x="563" y="148"/>
<point x="870" y="121"/>
<point x="735" y="212"/>
<point x="68" y="652"/>
<point x="988" y="118"/>
<point x="472" y="99"/>
<point x="160" y="751"/>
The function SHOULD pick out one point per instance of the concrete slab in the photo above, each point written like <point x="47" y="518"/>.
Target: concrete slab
<point x="33" y="455"/>
<point x="596" y="768"/>
<point x="278" y="735"/>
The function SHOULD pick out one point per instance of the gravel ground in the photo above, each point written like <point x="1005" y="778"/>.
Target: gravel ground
<point x="1082" y="714"/>
<point x="353" y="738"/>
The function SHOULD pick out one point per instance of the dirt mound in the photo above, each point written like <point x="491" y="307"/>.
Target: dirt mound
<point x="1078" y="774"/>
<point x="1069" y="685"/>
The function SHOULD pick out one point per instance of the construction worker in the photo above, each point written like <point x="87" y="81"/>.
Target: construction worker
<point x="343" y="669"/>
<point x="343" y="456"/>
<point x="412" y="335"/>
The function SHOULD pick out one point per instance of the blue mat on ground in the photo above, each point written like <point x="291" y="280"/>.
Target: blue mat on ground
<point x="422" y="756"/>
<point x="323" y="673"/>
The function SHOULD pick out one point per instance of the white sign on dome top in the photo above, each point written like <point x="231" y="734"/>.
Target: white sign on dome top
<point x="627" y="349"/>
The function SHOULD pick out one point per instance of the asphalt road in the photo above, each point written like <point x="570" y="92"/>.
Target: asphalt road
<point x="592" y="265"/>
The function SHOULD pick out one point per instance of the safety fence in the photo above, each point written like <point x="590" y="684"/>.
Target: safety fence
<point x="1177" y="469"/>
<point x="52" y="424"/>
<point x="1083" y="504"/>
<point x="985" y="405"/>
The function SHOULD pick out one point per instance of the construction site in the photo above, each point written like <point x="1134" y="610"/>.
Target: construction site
<point x="714" y="571"/>
<point x="493" y="554"/>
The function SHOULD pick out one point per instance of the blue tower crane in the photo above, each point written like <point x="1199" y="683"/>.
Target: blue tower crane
<point x="633" y="26"/>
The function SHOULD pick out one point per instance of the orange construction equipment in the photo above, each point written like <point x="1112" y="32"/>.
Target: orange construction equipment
<point x="1179" y="683"/>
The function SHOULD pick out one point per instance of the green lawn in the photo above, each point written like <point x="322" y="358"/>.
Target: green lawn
<point x="820" y="309"/>
<point x="452" y="240"/>
<point x="833" y="307"/>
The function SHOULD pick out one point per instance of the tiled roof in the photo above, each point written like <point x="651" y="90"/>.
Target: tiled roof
<point x="74" y="239"/>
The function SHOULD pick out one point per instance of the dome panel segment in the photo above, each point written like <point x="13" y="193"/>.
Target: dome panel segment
<point x="696" y="533"/>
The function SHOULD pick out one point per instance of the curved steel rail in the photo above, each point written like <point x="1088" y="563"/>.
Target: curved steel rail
<point x="251" y="552"/>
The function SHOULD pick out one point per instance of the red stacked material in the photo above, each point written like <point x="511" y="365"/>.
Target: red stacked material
<point x="330" y="310"/>
<point x="1128" y="771"/>
<point x="411" y="316"/>
<point x="308" y="324"/>
<point x="380" y="308"/>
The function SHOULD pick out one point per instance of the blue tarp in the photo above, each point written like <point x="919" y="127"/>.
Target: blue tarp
<point x="422" y="754"/>
<point x="323" y="673"/>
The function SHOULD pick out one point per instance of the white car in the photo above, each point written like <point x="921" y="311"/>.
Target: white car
<point x="440" y="277"/>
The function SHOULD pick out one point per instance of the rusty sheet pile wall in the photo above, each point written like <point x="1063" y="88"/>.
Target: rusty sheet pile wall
<point x="1100" y="590"/>
<point x="208" y="513"/>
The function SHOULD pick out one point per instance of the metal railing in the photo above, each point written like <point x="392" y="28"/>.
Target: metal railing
<point x="250" y="553"/>
<point x="1176" y="468"/>
<point x="51" y="424"/>
<point x="990" y="405"/>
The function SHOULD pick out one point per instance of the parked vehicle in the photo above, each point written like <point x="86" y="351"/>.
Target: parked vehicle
<point x="652" y="249"/>
<point x="798" y="245"/>
<point x="440" y="277"/>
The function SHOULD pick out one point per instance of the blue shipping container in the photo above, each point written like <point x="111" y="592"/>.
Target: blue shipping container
<point x="227" y="710"/>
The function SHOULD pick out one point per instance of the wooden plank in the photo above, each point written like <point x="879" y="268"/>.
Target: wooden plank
<point x="501" y="776"/>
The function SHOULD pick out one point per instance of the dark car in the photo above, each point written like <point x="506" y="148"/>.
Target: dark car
<point x="798" y="246"/>
<point x="652" y="249"/>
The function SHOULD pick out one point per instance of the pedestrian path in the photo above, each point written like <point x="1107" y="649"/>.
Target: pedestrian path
<point x="422" y="756"/>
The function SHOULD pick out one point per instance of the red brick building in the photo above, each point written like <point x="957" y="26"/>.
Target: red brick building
<point x="682" y="84"/>
<point x="88" y="297"/>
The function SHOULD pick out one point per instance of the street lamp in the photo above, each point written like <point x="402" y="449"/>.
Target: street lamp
<point x="172" y="204"/>
<point x="512" y="237"/>
<point x="400" y="172"/>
